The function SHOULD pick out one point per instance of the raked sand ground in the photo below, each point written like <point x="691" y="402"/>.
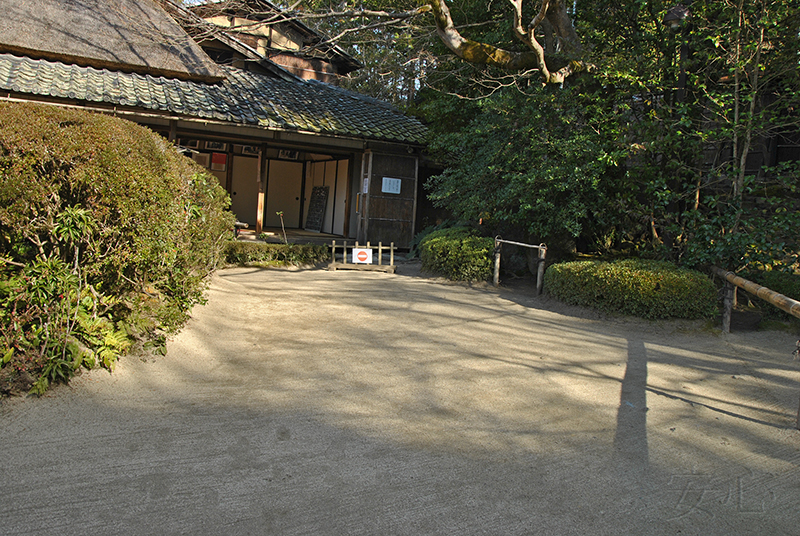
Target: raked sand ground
<point x="334" y="403"/>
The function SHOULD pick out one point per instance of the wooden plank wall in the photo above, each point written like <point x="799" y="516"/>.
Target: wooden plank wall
<point x="391" y="215"/>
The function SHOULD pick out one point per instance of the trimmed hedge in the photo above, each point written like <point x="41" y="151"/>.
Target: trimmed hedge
<point x="107" y="235"/>
<point x="457" y="253"/>
<point x="643" y="288"/>
<point x="244" y="253"/>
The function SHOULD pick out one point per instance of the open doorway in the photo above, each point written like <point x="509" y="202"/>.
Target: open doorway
<point x="330" y="176"/>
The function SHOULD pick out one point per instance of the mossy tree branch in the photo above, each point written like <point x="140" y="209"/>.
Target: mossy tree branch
<point x="555" y="64"/>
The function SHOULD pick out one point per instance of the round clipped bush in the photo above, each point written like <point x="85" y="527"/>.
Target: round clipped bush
<point x="107" y="235"/>
<point x="458" y="254"/>
<point x="643" y="288"/>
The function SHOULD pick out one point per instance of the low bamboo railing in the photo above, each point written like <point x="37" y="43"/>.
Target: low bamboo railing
<point x="780" y="301"/>
<point x="542" y="254"/>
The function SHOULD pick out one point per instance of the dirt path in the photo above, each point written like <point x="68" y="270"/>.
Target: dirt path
<point x="314" y="402"/>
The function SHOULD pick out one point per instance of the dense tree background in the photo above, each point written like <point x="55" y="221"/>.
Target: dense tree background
<point x="660" y="151"/>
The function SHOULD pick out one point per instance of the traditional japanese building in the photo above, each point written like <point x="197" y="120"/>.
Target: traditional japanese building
<point x="278" y="140"/>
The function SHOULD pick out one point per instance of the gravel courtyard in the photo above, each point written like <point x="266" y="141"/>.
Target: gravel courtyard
<point x="329" y="403"/>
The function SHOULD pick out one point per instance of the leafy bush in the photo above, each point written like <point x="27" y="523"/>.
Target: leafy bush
<point x="244" y="253"/>
<point x="643" y="288"/>
<point x="107" y="235"/>
<point x="420" y="236"/>
<point x="458" y="254"/>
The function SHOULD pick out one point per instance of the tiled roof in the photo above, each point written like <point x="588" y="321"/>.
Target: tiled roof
<point x="243" y="98"/>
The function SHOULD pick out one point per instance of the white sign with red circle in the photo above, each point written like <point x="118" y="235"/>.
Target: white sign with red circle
<point x="362" y="256"/>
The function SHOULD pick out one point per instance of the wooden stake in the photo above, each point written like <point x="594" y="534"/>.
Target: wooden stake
<point x="540" y="269"/>
<point x="496" y="276"/>
<point x="727" y="307"/>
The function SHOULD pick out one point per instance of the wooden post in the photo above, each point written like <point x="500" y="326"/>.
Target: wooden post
<point x="173" y="130"/>
<point x="344" y="250"/>
<point x="727" y="307"/>
<point x="496" y="276"/>
<point x="333" y="251"/>
<point x="380" y="253"/>
<point x="263" y="166"/>
<point x="796" y="355"/>
<point x="540" y="269"/>
<point x="391" y="254"/>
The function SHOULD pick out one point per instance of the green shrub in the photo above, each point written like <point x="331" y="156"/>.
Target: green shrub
<point x="107" y="235"/>
<point x="244" y="253"/>
<point x="643" y="288"/>
<point x="413" y="251"/>
<point x="458" y="254"/>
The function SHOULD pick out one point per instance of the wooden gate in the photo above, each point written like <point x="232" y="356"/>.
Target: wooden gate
<point x="387" y="202"/>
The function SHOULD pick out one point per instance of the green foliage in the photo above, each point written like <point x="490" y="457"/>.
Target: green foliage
<point x="420" y="236"/>
<point x="758" y="231"/>
<point x="643" y="288"/>
<point x="536" y="165"/>
<point x="259" y="253"/>
<point x="648" y="153"/>
<point x="107" y="235"/>
<point x="458" y="254"/>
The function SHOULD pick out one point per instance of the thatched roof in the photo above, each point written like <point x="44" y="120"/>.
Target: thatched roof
<point x="125" y="35"/>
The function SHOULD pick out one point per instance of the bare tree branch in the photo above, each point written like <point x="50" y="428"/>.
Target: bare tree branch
<point x="556" y="58"/>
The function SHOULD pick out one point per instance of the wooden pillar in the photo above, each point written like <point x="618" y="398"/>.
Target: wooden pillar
<point x="262" y="181"/>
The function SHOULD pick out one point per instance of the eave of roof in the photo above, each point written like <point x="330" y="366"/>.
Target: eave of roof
<point x="244" y="98"/>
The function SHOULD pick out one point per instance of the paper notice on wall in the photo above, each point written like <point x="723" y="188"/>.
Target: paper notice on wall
<point x="391" y="186"/>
